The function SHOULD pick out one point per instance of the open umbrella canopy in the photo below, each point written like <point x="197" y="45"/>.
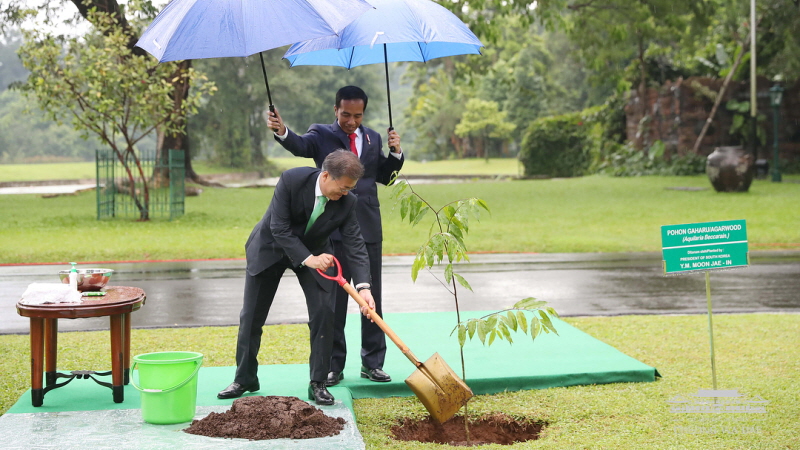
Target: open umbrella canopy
<point x="412" y="30"/>
<point x="396" y="30"/>
<point x="192" y="29"/>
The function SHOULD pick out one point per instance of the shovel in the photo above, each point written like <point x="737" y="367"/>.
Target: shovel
<point x="435" y="384"/>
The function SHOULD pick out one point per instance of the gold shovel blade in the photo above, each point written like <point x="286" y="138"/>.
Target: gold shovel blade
<point x="439" y="388"/>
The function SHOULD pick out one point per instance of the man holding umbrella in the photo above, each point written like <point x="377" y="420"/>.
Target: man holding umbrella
<point x="320" y="140"/>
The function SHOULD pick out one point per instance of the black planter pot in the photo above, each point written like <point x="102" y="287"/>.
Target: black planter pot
<point x="730" y="169"/>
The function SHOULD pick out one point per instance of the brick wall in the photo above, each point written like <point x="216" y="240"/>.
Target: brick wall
<point x="678" y="109"/>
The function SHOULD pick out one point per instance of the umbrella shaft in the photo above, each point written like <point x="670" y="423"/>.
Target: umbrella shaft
<point x="266" y="82"/>
<point x="388" y="94"/>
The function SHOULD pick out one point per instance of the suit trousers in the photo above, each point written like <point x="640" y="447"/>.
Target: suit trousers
<point x="259" y="292"/>
<point x="373" y="340"/>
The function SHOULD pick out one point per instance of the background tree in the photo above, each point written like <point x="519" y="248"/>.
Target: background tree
<point x="26" y="135"/>
<point x="50" y="13"/>
<point x="102" y="88"/>
<point x="482" y="120"/>
<point x="434" y="112"/>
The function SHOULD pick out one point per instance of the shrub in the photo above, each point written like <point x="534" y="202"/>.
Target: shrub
<point x="574" y="144"/>
<point x="556" y="146"/>
<point x="627" y="161"/>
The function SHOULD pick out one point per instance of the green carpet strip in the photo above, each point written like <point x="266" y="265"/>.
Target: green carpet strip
<point x="570" y="358"/>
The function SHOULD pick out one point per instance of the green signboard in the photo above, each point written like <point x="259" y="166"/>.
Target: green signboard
<point x="704" y="246"/>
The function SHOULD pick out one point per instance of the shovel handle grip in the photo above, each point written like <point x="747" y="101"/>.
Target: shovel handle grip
<point x="372" y="314"/>
<point x="338" y="277"/>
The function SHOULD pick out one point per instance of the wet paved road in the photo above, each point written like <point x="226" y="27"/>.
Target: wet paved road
<point x="197" y="293"/>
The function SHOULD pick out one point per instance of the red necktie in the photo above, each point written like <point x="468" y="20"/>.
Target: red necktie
<point x="353" y="148"/>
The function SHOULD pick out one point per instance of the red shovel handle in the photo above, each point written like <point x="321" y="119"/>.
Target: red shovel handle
<point x="338" y="277"/>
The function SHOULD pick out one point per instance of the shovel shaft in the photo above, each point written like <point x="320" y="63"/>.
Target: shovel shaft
<point x="381" y="324"/>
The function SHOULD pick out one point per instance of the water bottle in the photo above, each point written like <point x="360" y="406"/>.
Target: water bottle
<point x="73" y="277"/>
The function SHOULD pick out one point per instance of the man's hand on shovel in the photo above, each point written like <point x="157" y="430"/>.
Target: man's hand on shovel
<point x="323" y="262"/>
<point x="366" y="294"/>
<point x="320" y="262"/>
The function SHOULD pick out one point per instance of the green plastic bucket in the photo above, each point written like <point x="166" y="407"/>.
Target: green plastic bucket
<point x="168" y="385"/>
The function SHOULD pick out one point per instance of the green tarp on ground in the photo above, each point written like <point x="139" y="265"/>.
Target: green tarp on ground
<point x="570" y="358"/>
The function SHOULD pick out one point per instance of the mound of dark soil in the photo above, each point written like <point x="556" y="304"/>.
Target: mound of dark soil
<point x="494" y="429"/>
<point x="272" y="417"/>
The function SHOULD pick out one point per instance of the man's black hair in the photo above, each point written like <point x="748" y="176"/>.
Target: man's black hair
<point x="351" y="93"/>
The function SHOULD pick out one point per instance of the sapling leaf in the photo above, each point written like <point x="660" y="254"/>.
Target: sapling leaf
<point x="491" y="321"/>
<point x="472" y="325"/>
<point x="536" y="327"/>
<point x="449" y="212"/>
<point x="403" y="208"/>
<point x="482" y="331"/>
<point x="399" y="188"/>
<point x="462" y="281"/>
<point x="550" y="310"/>
<point x="456" y="221"/>
<point x="464" y="221"/>
<point x="417" y="206"/>
<point x="522" y="321"/>
<point x="412" y="202"/>
<point x="483" y="205"/>
<point x="462" y="335"/>
<point x="429" y="261"/>
<point x="546" y="322"/>
<point x="512" y="320"/>
<point x="529" y="303"/>
<point x="492" y="335"/>
<point x="499" y="331"/>
<point x="451" y="253"/>
<point x="456" y="232"/>
<point x="448" y="273"/>
<point x="420" y="215"/>
<point x="415" y="267"/>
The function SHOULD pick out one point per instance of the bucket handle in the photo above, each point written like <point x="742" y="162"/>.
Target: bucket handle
<point x="164" y="391"/>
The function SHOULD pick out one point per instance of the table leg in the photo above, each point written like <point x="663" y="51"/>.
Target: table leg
<point x="127" y="361"/>
<point x="37" y="356"/>
<point x="117" y="356"/>
<point x="50" y="350"/>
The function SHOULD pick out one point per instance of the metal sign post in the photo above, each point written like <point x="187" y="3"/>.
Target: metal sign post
<point x="707" y="246"/>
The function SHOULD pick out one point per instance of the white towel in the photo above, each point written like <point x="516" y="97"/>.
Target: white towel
<point x="41" y="293"/>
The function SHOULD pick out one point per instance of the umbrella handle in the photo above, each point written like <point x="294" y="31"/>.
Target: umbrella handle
<point x="392" y="148"/>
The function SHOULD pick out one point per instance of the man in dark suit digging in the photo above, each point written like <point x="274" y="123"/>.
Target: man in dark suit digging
<point x="308" y="205"/>
<point x="320" y="140"/>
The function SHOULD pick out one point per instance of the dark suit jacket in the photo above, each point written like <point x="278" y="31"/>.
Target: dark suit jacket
<point x="322" y="139"/>
<point x="281" y="232"/>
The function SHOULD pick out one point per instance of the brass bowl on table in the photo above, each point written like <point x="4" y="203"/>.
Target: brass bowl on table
<point x="88" y="279"/>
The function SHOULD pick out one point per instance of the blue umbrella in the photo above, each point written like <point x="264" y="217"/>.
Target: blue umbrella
<point x="193" y="29"/>
<point x="396" y="30"/>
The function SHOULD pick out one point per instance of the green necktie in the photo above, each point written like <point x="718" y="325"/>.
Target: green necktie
<point x="318" y="208"/>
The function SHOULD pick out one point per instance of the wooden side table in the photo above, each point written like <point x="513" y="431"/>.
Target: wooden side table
<point x="118" y="303"/>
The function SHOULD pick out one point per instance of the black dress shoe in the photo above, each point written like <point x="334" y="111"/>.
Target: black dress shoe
<point x="334" y="378"/>
<point x="319" y="393"/>
<point x="236" y="390"/>
<point x="375" y="375"/>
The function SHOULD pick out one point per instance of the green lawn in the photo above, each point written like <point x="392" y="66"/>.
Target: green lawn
<point x="757" y="354"/>
<point x="86" y="170"/>
<point x="589" y="214"/>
